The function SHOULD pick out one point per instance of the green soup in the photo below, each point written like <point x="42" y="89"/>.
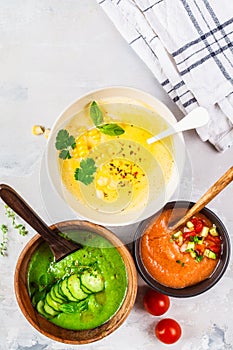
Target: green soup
<point x="83" y="290"/>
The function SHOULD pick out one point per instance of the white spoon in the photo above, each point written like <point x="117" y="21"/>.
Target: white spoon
<point x="196" y="118"/>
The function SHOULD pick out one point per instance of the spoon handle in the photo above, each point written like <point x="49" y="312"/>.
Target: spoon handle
<point x="212" y="192"/>
<point x="194" y="119"/>
<point x="59" y="245"/>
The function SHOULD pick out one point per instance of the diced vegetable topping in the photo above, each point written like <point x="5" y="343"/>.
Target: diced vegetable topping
<point x="198" y="240"/>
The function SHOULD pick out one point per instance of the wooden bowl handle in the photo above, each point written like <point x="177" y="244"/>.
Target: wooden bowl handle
<point x="59" y="245"/>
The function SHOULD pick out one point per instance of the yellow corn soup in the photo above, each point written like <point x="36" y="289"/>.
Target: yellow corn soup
<point x="127" y="168"/>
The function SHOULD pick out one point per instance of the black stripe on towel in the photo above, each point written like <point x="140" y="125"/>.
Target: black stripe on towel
<point x="203" y="48"/>
<point x="189" y="102"/>
<point x="150" y="7"/>
<point x="216" y="21"/>
<point x="138" y="37"/>
<point x="212" y="54"/>
<point x="216" y="40"/>
<point x="202" y="37"/>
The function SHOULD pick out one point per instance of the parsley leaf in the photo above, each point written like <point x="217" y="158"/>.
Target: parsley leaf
<point x="85" y="173"/>
<point x="111" y="129"/>
<point x="64" y="154"/>
<point x="96" y="114"/>
<point x="64" y="142"/>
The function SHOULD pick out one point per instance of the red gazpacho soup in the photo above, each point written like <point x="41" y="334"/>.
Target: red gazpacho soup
<point x="185" y="257"/>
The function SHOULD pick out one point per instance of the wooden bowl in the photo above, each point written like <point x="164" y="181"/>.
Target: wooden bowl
<point x="53" y="331"/>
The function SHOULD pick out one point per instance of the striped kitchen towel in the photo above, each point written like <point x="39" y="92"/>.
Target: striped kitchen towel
<point x="188" y="45"/>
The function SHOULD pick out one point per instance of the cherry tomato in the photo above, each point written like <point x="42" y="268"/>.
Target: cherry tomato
<point x="156" y="303"/>
<point x="216" y="240"/>
<point x="168" y="331"/>
<point x="194" y="221"/>
<point x="189" y="234"/>
<point x="215" y="248"/>
<point x="198" y="226"/>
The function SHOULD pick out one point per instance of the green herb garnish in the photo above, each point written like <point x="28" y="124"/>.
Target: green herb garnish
<point x="199" y="258"/>
<point x="96" y="114"/>
<point x="3" y="244"/>
<point x="73" y="307"/>
<point x="20" y="227"/>
<point x="194" y="239"/>
<point x="64" y="143"/>
<point x="85" y="173"/>
<point x="180" y="262"/>
<point x="4" y="229"/>
<point x="111" y="129"/>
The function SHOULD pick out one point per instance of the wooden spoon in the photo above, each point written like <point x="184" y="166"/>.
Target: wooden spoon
<point x="212" y="192"/>
<point x="60" y="246"/>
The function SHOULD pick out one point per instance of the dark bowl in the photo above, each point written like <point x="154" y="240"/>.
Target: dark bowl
<point x="195" y="289"/>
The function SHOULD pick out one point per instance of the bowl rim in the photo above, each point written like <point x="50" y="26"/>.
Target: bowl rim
<point x="62" y="335"/>
<point x="113" y="92"/>
<point x="189" y="291"/>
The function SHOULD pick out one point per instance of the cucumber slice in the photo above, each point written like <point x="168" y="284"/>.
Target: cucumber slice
<point x="66" y="292"/>
<point x="93" y="281"/>
<point x="41" y="310"/>
<point x="213" y="231"/>
<point x="49" y="310"/>
<point x="74" y="287"/>
<point x="54" y="296"/>
<point x="57" y="294"/>
<point x="87" y="291"/>
<point x="59" y="287"/>
<point x="52" y="303"/>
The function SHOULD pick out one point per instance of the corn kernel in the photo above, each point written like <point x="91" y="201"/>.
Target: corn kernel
<point x="82" y="147"/>
<point x="112" y="185"/>
<point x="100" y="194"/>
<point x="75" y="153"/>
<point x="102" y="181"/>
<point x="38" y="129"/>
<point x="82" y="152"/>
<point x="93" y="132"/>
<point x="96" y="137"/>
<point x="46" y="133"/>
<point x="81" y="141"/>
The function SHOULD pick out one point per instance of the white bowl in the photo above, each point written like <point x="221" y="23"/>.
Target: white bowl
<point x="136" y="100"/>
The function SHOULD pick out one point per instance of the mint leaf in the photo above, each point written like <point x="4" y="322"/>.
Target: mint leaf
<point x="111" y="129"/>
<point x="85" y="173"/>
<point x="96" y="114"/>
<point x="73" y="307"/>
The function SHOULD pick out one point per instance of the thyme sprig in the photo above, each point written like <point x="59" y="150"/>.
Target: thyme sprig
<point x="12" y="215"/>
<point x="5" y="229"/>
<point x="3" y="244"/>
